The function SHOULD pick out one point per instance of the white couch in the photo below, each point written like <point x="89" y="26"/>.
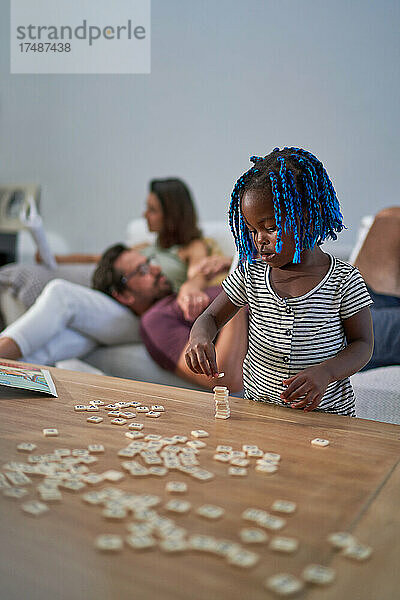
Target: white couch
<point x="377" y="390"/>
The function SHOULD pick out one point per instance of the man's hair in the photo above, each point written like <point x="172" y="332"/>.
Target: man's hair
<point x="303" y="196"/>
<point x="179" y="214"/>
<point x="106" y="278"/>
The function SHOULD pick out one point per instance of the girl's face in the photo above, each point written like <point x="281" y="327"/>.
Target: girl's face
<point x="259" y="215"/>
<point x="153" y="213"/>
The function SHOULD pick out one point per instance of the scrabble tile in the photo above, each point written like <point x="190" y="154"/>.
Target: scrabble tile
<point x="26" y="447"/>
<point x="255" y="453"/>
<point x="320" y="442"/>
<point x="158" y="471"/>
<point x="209" y="511"/>
<point x="80" y="407"/>
<point x="196" y="444"/>
<point x="199" y="433"/>
<point x="357" y="551"/>
<point x="270" y="522"/>
<point x="123" y="404"/>
<point x="237" y="471"/>
<point x="284" y="544"/>
<point x="15" y="492"/>
<point x="140" y="529"/>
<point x="114" y="413"/>
<point x="243" y="558"/>
<point x="112" y="475"/>
<point x="97" y="402"/>
<point x="34" y="508"/>
<point x="114" y="514"/>
<point x="158" y="408"/>
<point x="142" y="409"/>
<point x="341" y="539"/>
<point x="272" y="456"/>
<point x="284" y="584"/>
<point x="247" y="447"/>
<point x="17" y="478"/>
<point x="200" y="474"/>
<point x="3" y="482"/>
<point x="109" y="543"/>
<point x="202" y="543"/>
<point x="175" y="544"/>
<point x="266" y="468"/>
<point x="92" y="478"/>
<point x="238" y="454"/>
<point x="92" y="408"/>
<point x="178" y="506"/>
<point x="176" y="487"/>
<point x="94" y="419"/>
<point x="118" y="421"/>
<point x="136" y="426"/>
<point x="96" y="448"/>
<point x="143" y="542"/>
<point x="251" y="535"/>
<point x="179" y="439"/>
<point x="239" y="462"/>
<point x="62" y="452"/>
<point x="223" y="449"/>
<point x="73" y="486"/>
<point x="225" y="547"/>
<point x="134" y="435"/>
<point x="152" y="414"/>
<point x="50" y="432"/>
<point x="222" y="457"/>
<point x="53" y="495"/>
<point x="284" y="506"/>
<point x="128" y="415"/>
<point x="318" y="574"/>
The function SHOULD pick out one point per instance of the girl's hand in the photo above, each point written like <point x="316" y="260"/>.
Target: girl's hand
<point x="192" y="301"/>
<point x="309" y="385"/>
<point x="200" y="356"/>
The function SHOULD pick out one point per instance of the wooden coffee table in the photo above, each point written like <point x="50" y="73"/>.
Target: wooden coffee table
<point x="352" y="485"/>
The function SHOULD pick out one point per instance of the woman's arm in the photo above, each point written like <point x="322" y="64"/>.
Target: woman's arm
<point x="312" y="382"/>
<point x="72" y="258"/>
<point x="200" y="353"/>
<point x="191" y="298"/>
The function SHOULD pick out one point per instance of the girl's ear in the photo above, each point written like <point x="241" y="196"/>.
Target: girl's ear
<point x="126" y="297"/>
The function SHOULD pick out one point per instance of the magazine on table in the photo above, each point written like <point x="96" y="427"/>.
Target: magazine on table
<point x="27" y="378"/>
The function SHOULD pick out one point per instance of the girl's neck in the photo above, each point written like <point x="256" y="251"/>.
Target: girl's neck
<point x="309" y="259"/>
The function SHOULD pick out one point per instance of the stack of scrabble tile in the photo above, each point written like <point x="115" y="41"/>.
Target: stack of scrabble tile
<point x="222" y="409"/>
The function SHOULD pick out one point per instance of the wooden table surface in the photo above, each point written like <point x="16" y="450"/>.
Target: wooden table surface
<point x="352" y="485"/>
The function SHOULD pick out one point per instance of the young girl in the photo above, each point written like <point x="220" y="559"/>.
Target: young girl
<point x="309" y="321"/>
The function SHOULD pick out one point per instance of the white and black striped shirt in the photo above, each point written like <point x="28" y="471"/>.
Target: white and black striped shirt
<point x="287" y="335"/>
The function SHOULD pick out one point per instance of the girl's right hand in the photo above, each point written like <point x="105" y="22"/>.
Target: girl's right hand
<point x="200" y="357"/>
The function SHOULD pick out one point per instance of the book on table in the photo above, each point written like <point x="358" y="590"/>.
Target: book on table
<point x="28" y="378"/>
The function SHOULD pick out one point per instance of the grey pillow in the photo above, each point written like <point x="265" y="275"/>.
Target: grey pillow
<point x="25" y="281"/>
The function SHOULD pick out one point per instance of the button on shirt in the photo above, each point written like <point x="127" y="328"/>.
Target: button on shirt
<point x="288" y="335"/>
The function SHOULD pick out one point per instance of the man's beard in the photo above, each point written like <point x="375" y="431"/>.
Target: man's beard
<point x="162" y="290"/>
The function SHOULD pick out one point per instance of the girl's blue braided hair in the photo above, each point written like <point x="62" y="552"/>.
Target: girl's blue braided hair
<point x="303" y="196"/>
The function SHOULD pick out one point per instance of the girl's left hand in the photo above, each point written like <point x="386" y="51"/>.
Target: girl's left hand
<point x="309" y="385"/>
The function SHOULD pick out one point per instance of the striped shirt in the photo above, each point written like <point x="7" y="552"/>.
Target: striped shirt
<point x="287" y="335"/>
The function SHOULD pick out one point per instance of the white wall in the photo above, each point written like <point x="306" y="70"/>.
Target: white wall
<point x="229" y="79"/>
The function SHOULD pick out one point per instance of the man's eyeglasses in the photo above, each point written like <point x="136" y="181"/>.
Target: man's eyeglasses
<point x="140" y="270"/>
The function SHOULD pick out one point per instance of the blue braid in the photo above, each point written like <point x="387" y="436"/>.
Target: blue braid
<point x="277" y="208"/>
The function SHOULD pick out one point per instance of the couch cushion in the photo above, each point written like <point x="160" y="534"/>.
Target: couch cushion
<point x="131" y="361"/>
<point x="378" y="394"/>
